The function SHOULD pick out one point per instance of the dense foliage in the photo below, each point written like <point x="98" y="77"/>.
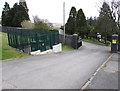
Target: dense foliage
<point x="41" y="25"/>
<point x="81" y="23"/>
<point x="106" y="24"/>
<point x="13" y="17"/>
<point x="71" y="23"/>
<point x="76" y="22"/>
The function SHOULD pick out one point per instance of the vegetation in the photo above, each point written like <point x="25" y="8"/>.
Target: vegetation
<point x="71" y="22"/>
<point x="38" y="24"/>
<point x="105" y="25"/>
<point x="41" y="25"/>
<point x="92" y="22"/>
<point x="27" y="24"/>
<point x="7" y="51"/>
<point x="94" y="41"/>
<point x="81" y="24"/>
<point x="5" y="15"/>
<point x="76" y="23"/>
<point x="115" y="4"/>
<point x="66" y="48"/>
<point x="13" y="17"/>
<point x="0" y="45"/>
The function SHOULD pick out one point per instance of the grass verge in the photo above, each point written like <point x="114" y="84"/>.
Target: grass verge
<point x="66" y="48"/>
<point x="6" y="51"/>
<point x="94" y="41"/>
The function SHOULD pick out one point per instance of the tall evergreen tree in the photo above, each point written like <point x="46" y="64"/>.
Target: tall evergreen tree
<point x="14" y="16"/>
<point x="106" y="24"/>
<point x="92" y="21"/>
<point x="71" y="23"/>
<point x="5" y="15"/>
<point x="91" y="24"/>
<point x="115" y="8"/>
<point x="20" y="14"/>
<point x="81" y="23"/>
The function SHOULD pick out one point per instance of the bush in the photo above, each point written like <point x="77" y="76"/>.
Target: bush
<point x="27" y="24"/>
<point x="41" y="25"/>
<point x="108" y="43"/>
<point x="95" y="41"/>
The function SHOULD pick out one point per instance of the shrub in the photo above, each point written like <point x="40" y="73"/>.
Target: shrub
<point x="41" y="25"/>
<point x="108" y="43"/>
<point x="27" y="24"/>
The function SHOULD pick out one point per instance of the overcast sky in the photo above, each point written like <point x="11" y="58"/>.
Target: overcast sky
<point x="53" y="9"/>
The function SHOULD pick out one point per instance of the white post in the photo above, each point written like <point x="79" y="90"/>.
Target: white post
<point x="64" y="19"/>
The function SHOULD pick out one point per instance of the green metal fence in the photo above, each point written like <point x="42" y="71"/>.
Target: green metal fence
<point x="36" y="39"/>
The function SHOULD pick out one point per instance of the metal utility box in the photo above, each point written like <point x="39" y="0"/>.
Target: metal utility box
<point x="114" y="44"/>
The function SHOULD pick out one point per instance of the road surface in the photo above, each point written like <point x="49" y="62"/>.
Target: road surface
<point x="66" y="70"/>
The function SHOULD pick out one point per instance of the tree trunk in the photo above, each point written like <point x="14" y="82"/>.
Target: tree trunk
<point x="105" y="35"/>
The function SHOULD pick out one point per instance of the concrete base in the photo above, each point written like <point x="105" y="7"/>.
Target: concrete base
<point x="41" y="53"/>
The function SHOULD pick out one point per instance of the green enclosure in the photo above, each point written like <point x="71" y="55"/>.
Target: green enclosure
<point x="36" y="39"/>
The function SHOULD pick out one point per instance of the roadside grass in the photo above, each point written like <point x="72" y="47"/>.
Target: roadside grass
<point x="6" y="51"/>
<point x="94" y="41"/>
<point x="0" y="45"/>
<point x="66" y="48"/>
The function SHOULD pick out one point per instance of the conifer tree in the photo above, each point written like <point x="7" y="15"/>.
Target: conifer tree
<point x="106" y="24"/>
<point x="13" y="17"/>
<point x="5" y="15"/>
<point x="71" y="23"/>
<point x="20" y="15"/>
<point x="81" y="23"/>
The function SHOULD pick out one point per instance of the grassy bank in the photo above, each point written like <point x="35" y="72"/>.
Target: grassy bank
<point x="66" y="48"/>
<point x="7" y="51"/>
<point x="94" y="41"/>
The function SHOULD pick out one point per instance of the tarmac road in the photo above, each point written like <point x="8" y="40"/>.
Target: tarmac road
<point x="66" y="70"/>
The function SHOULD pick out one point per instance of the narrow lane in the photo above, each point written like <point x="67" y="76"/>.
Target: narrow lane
<point x="66" y="70"/>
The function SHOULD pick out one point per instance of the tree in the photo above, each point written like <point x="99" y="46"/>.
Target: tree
<point x="71" y="23"/>
<point x="91" y="24"/>
<point x="115" y="6"/>
<point x="106" y="22"/>
<point x="92" y="21"/>
<point x="14" y="16"/>
<point x="5" y="15"/>
<point x="0" y="22"/>
<point x="81" y="23"/>
<point x="20" y="15"/>
<point x="41" y="25"/>
<point x="27" y="24"/>
<point x="36" y="19"/>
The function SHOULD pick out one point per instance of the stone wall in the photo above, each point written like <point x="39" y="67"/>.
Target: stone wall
<point x="71" y="40"/>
